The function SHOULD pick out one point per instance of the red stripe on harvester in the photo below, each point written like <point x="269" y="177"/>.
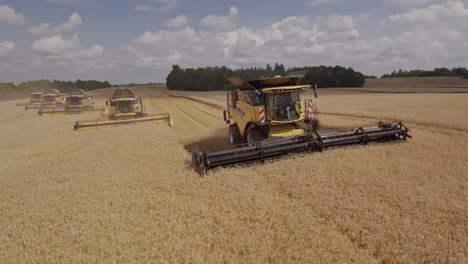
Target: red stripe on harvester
<point x="262" y="115"/>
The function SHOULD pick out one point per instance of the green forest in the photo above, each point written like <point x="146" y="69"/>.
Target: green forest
<point x="437" y="72"/>
<point x="214" y="78"/>
<point x="62" y="86"/>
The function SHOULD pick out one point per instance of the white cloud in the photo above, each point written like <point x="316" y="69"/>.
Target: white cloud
<point x="426" y="37"/>
<point x="10" y="16"/>
<point x="215" y="22"/>
<point x="418" y="37"/>
<point x="6" y="47"/>
<point x="55" y="44"/>
<point x="323" y="38"/>
<point x="408" y="3"/>
<point x="438" y="15"/>
<point x="392" y="3"/>
<point x="59" y="48"/>
<point x="155" y="5"/>
<point x="177" y="22"/>
<point x="46" y="29"/>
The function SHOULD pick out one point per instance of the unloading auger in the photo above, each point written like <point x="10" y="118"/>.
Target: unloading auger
<point x="124" y="107"/>
<point x="267" y="120"/>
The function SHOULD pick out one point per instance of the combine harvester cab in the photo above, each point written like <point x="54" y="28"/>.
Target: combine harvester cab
<point x="76" y="102"/>
<point x="267" y="119"/>
<point x="35" y="101"/>
<point x="124" y="107"/>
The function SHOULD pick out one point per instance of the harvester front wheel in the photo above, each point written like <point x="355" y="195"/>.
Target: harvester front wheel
<point x="254" y="135"/>
<point x="234" y="135"/>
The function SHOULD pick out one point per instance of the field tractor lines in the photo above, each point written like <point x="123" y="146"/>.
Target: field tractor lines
<point x="208" y="113"/>
<point x="200" y="115"/>
<point x="182" y="121"/>
<point x="191" y="118"/>
<point x="187" y="108"/>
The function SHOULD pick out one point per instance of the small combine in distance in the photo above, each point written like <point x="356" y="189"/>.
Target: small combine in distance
<point x="35" y="101"/>
<point x="124" y="107"/>
<point x="75" y="102"/>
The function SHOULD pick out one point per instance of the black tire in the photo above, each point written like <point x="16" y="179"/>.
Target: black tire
<point x="254" y="135"/>
<point x="234" y="135"/>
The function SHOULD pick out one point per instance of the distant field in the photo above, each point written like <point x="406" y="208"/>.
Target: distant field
<point x="419" y="82"/>
<point x="418" y="85"/>
<point x="127" y="194"/>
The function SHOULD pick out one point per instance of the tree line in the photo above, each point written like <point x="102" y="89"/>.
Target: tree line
<point x="139" y="84"/>
<point x="214" y="78"/>
<point x="86" y="85"/>
<point x="437" y="72"/>
<point x="62" y="86"/>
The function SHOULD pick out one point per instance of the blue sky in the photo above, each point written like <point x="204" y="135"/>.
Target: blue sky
<point x="138" y="40"/>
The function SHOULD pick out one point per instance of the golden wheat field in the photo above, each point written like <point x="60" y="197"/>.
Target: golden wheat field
<point x="126" y="194"/>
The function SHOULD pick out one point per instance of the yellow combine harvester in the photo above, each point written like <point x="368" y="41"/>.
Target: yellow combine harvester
<point x="272" y="110"/>
<point x="75" y="102"/>
<point x="267" y="118"/>
<point x="124" y="107"/>
<point x="52" y="100"/>
<point x="35" y="101"/>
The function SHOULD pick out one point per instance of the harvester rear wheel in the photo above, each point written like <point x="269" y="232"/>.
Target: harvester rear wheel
<point x="234" y="135"/>
<point x="254" y="135"/>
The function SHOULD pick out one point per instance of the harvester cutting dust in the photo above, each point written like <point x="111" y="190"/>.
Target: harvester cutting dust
<point x="35" y="101"/>
<point x="124" y="107"/>
<point x="75" y="102"/>
<point x="268" y="119"/>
